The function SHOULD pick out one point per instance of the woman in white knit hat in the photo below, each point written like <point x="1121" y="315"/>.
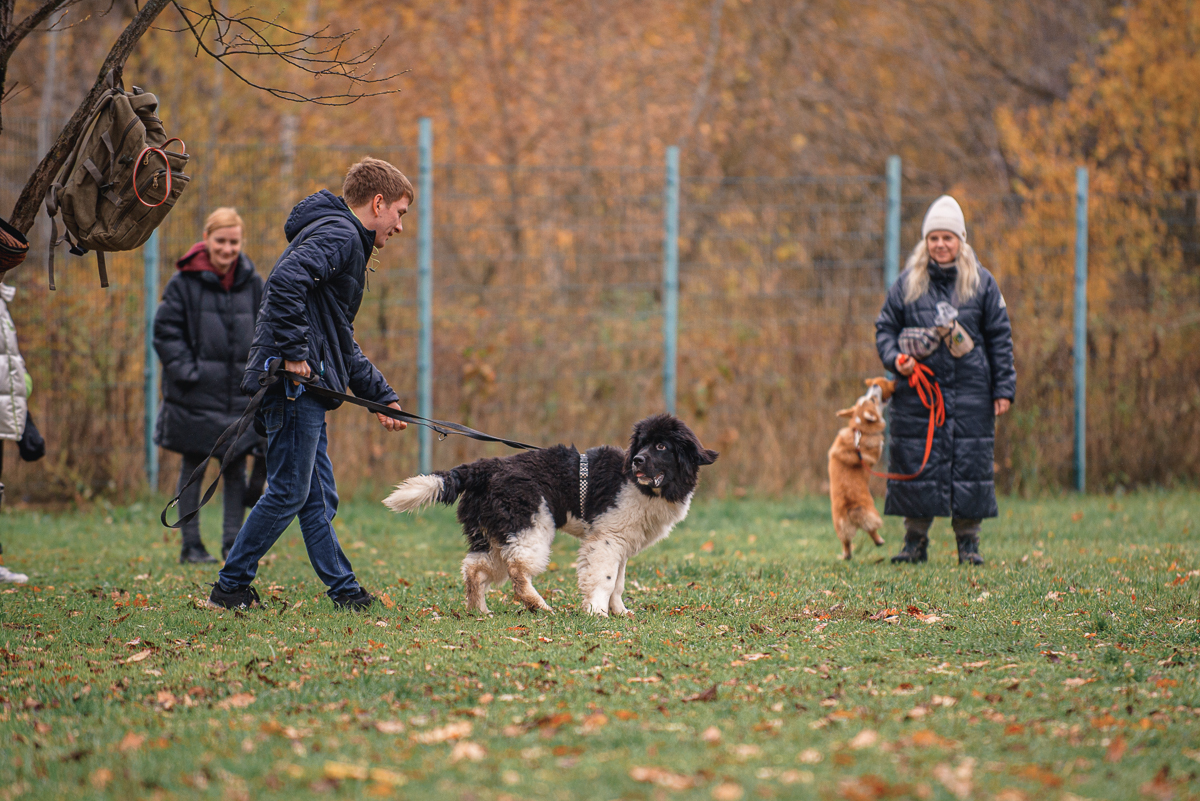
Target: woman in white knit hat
<point x="973" y="366"/>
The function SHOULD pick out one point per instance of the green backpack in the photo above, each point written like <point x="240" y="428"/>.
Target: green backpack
<point x="119" y="181"/>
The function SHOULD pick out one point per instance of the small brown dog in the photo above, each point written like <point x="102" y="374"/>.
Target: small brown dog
<point x="858" y="447"/>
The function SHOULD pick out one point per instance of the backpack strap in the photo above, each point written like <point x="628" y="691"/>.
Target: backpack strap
<point x="103" y="271"/>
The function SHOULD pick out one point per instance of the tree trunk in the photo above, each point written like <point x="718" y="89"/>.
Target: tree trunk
<point x="31" y="197"/>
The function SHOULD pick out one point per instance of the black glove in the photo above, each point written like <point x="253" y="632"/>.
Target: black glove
<point x="31" y="444"/>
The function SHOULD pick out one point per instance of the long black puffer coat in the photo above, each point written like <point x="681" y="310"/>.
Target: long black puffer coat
<point x="311" y="299"/>
<point x="959" y="479"/>
<point x="202" y="335"/>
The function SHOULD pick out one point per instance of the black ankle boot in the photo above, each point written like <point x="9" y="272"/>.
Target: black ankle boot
<point x="196" y="554"/>
<point x="968" y="549"/>
<point x="916" y="548"/>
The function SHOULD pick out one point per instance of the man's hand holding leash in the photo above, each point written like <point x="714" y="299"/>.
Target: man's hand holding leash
<point x="391" y="423"/>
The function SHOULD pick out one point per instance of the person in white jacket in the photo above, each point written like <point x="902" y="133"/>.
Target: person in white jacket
<point x="14" y="397"/>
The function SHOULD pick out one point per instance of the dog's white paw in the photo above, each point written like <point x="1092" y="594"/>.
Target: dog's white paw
<point x="618" y="608"/>
<point x="595" y="609"/>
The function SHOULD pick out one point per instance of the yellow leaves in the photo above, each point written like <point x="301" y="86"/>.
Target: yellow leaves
<point x="139" y="656"/>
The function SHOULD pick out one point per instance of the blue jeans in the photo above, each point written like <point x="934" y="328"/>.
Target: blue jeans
<point x="299" y="482"/>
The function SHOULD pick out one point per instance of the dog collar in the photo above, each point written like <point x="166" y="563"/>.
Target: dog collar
<point x="583" y="482"/>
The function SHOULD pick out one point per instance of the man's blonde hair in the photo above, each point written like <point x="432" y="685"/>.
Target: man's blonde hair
<point x="371" y="177"/>
<point x="224" y="217"/>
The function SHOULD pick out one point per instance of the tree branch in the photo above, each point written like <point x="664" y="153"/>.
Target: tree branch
<point x="26" y="207"/>
<point x="319" y="53"/>
<point x="17" y="34"/>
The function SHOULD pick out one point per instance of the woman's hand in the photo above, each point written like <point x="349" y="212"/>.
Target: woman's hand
<point x="391" y="423"/>
<point x="905" y="364"/>
<point x="1001" y="405"/>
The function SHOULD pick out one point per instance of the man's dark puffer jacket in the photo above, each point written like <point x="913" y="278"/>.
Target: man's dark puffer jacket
<point x="311" y="298"/>
<point x="959" y="479"/>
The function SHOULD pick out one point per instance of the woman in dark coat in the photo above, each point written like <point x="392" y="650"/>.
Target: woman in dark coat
<point x="202" y="334"/>
<point x="978" y="385"/>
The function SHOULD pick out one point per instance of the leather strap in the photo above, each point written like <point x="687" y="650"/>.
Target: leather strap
<point x="275" y="374"/>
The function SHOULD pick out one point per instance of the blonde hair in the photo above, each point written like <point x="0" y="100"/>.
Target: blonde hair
<point x="916" y="273"/>
<point x="224" y="217"/>
<point x="371" y="177"/>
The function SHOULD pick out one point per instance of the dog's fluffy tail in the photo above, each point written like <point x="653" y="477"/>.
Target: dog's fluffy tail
<point x="421" y="491"/>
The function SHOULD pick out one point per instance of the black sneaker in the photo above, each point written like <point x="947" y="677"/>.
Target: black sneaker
<point x="356" y="601"/>
<point x="195" y="555"/>
<point x="238" y="599"/>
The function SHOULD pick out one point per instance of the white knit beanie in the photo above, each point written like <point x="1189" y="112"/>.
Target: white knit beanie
<point x="945" y="215"/>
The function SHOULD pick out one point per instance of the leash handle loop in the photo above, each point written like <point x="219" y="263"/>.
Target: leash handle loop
<point x="930" y="392"/>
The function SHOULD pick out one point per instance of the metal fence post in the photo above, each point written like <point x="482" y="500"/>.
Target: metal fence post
<point x="671" y="278"/>
<point x="1081" y="237"/>
<point x="425" y="290"/>
<point x="891" y="252"/>
<point x="150" y="270"/>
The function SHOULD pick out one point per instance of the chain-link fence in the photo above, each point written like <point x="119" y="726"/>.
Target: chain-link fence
<point x="548" y="318"/>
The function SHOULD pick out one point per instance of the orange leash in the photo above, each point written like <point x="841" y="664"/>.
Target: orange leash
<point x="930" y="392"/>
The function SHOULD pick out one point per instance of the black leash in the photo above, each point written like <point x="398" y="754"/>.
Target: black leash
<point x="273" y="375"/>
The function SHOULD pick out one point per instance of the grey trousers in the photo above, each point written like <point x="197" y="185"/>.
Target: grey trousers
<point x="963" y="528"/>
<point x="234" y="496"/>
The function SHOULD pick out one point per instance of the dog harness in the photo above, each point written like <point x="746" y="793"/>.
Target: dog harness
<point x="583" y="481"/>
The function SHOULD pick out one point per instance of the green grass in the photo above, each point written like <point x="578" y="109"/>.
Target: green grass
<point x="1065" y="667"/>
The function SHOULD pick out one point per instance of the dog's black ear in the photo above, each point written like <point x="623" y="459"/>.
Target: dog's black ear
<point x="707" y="456"/>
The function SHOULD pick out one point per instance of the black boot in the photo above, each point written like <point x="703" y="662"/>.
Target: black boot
<point x="968" y="549"/>
<point x="196" y="554"/>
<point x="916" y="548"/>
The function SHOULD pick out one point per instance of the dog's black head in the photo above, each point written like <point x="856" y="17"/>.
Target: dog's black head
<point x="665" y="457"/>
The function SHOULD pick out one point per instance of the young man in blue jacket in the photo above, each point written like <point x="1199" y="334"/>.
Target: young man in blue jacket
<point x="307" y="320"/>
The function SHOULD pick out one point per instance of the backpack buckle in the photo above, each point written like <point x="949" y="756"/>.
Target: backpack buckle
<point x="75" y="250"/>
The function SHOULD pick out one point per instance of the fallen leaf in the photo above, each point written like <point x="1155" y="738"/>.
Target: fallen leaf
<point x="139" y="656"/>
<point x="643" y="680"/>
<point x="100" y="778"/>
<point x="388" y="777"/>
<point x="661" y="777"/>
<point x="707" y="695"/>
<point x="594" y="722"/>
<point x="957" y="779"/>
<point x="755" y="657"/>
<point x="236" y="701"/>
<point x="131" y="742"/>
<point x="728" y="791"/>
<point x="387" y="601"/>
<point x="340" y="771"/>
<point x="1116" y="749"/>
<point x="864" y="739"/>
<point x="625" y="714"/>
<point x="707" y="547"/>
<point x="864" y="788"/>
<point x="465" y="749"/>
<point x="711" y="735"/>
<point x="1039" y="774"/>
<point x="389" y="727"/>
<point x="1076" y="682"/>
<point x="451" y="731"/>
<point x="809" y="756"/>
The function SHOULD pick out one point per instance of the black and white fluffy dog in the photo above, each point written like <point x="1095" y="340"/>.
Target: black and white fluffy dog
<point x="616" y="502"/>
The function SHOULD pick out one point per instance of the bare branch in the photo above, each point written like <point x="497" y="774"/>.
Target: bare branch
<point x="27" y="25"/>
<point x="26" y="207"/>
<point x="226" y="37"/>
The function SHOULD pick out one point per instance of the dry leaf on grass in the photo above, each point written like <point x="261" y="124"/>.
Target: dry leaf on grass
<point x="389" y="727"/>
<point x="867" y="787"/>
<point x="1116" y="749"/>
<point x="864" y="739"/>
<point x="388" y="777"/>
<point x="465" y="749"/>
<point x="708" y="695"/>
<point x="451" y="731"/>
<point x="957" y="779"/>
<point x="809" y="756"/>
<point x="236" y="701"/>
<point x="139" y="656"/>
<point x="594" y="722"/>
<point x="662" y="778"/>
<point x="340" y="771"/>
<point x="711" y="735"/>
<point x="100" y="778"/>
<point x="728" y="791"/>
<point x="131" y="742"/>
<point x="1077" y="682"/>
